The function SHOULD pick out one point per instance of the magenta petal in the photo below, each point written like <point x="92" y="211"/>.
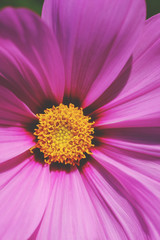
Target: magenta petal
<point x="70" y="214"/>
<point x="14" y="141"/>
<point x="136" y="105"/>
<point x="142" y="158"/>
<point x="96" y="39"/>
<point x="140" y="182"/>
<point x="23" y="201"/>
<point x="9" y="169"/>
<point x="142" y="111"/>
<point x="117" y="214"/>
<point x="13" y="112"/>
<point x="31" y="65"/>
<point x="14" y="118"/>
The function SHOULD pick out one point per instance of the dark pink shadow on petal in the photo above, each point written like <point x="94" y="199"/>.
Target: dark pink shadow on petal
<point x="34" y="234"/>
<point x="142" y="135"/>
<point x="130" y="153"/>
<point x="118" y="187"/>
<point x="13" y="162"/>
<point x="113" y="91"/>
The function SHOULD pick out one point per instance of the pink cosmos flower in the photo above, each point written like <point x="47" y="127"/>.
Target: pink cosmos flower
<point x="102" y="56"/>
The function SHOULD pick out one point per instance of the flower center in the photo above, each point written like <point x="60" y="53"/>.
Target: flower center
<point x="64" y="134"/>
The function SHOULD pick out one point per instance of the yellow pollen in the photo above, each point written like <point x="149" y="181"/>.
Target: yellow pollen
<point x="64" y="134"/>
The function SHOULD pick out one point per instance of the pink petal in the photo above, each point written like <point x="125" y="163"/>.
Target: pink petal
<point x="141" y="189"/>
<point x="142" y="158"/>
<point x="96" y="39"/>
<point x="23" y="201"/>
<point x="14" y="141"/>
<point x="117" y="214"/>
<point x="142" y="111"/>
<point x="14" y="118"/>
<point x="13" y="112"/>
<point x="136" y="105"/>
<point x="9" y="169"/>
<point x="70" y="214"/>
<point x="31" y="65"/>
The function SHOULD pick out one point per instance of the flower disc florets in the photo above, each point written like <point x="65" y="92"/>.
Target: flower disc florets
<point x="64" y="134"/>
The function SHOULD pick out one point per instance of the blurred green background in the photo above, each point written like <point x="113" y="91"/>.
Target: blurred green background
<point x="153" y="6"/>
<point x="35" y="5"/>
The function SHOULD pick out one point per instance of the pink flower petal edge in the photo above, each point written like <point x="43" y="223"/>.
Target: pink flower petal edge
<point x="138" y="98"/>
<point x="96" y="39"/>
<point x="31" y="64"/>
<point x="70" y="213"/>
<point x="140" y="188"/>
<point x="23" y="212"/>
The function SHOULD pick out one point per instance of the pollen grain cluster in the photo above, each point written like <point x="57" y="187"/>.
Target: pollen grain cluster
<point x="64" y="134"/>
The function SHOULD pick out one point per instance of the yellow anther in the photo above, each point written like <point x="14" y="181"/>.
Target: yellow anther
<point x="64" y="134"/>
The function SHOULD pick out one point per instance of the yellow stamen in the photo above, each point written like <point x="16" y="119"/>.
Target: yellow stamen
<point x="64" y="134"/>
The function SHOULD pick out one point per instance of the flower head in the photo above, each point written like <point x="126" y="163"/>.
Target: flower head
<point x="80" y="122"/>
<point x="64" y="134"/>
